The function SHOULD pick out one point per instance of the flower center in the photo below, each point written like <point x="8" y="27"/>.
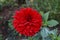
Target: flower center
<point x="28" y="18"/>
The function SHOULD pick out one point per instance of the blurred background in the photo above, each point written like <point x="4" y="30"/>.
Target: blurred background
<point x="8" y="7"/>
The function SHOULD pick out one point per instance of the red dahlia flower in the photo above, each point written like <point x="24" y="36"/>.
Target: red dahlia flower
<point x="27" y="21"/>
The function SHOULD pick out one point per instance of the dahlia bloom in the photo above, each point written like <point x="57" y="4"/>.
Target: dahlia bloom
<point x="27" y="21"/>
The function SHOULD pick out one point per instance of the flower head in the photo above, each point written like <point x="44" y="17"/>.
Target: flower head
<point x="27" y="21"/>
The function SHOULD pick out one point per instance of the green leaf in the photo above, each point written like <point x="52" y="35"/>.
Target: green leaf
<point x="10" y="24"/>
<point x="41" y="12"/>
<point x="27" y="3"/>
<point x="1" y="37"/>
<point x="53" y="34"/>
<point x="58" y="38"/>
<point x="45" y="16"/>
<point x="1" y="17"/>
<point x="44" y="32"/>
<point x="30" y="38"/>
<point x="46" y="38"/>
<point x="52" y="23"/>
<point x="36" y="36"/>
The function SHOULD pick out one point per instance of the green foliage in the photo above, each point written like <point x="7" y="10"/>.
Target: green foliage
<point x="48" y="34"/>
<point x="58" y="38"/>
<point x="1" y="38"/>
<point x="7" y="3"/>
<point x="10" y="24"/>
<point x="37" y="36"/>
<point x="45" y="16"/>
<point x="1" y="18"/>
<point x="29" y="38"/>
<point x="53" y="34"/>
<point x="48" y="5"/>
<point x="52" y="23"/>
<point x="14" y="33"/>
<point x="46" y="22"/>
<point x="44" y="32"/>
